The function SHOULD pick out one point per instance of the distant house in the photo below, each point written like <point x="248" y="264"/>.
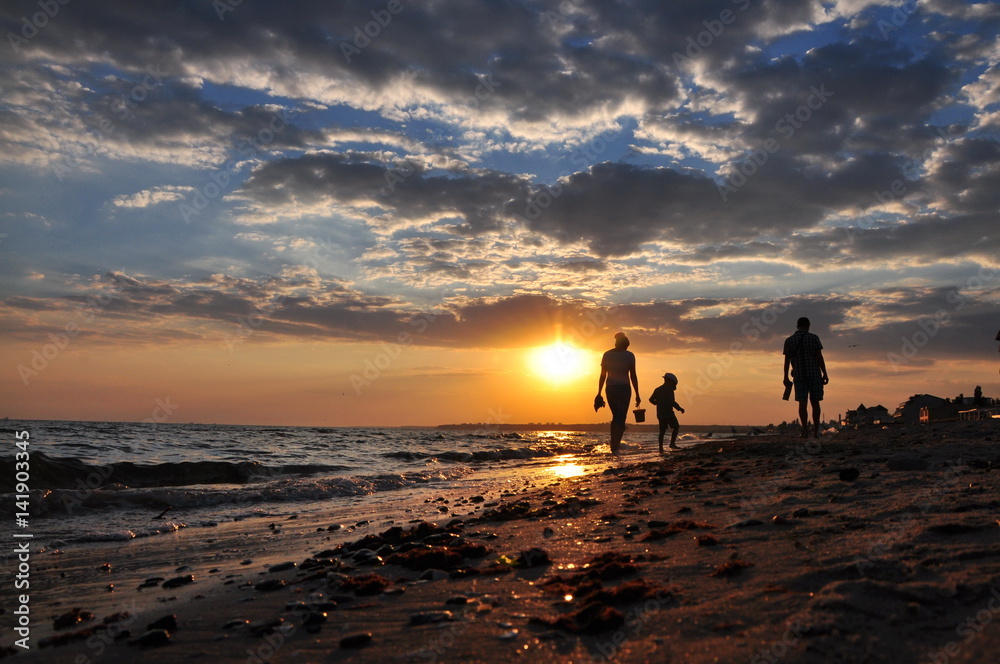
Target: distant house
<point x="863" y="415"/>
<point x="909" y="410"/>
<point x="946" y="412"/>
<point x="992" y="412"/>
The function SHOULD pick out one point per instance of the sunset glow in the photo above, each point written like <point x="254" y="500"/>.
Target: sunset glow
<point x="253" y="216"/>
<point x="560" y="363"/>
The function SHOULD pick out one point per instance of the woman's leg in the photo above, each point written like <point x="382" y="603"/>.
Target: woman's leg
<point x="618" y="397"/>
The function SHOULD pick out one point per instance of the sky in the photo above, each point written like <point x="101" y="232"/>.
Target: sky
<point x="412" y="213"/>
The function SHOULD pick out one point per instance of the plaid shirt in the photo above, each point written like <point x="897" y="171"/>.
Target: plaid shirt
<point x="802" y="347"/>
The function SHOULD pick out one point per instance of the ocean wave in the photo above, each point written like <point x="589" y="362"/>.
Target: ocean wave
<point x="52" y="473"/>
<point x="125" y="534"/>
<point x="63" y="502"/>
<point x="503" y="454"/>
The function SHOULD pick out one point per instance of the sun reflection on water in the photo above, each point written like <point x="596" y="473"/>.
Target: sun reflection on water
<point x="568" y="469"/>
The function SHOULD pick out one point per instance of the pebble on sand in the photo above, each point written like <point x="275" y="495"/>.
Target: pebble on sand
<point x="431" y="617"/>
<point x="270" y="585"/>
<point x="533" y="557"/>
<point x="356" y="640"/>
<point x="849" y="474"/>
<point x="74" y="617"/>
<point x="168" y="622"/>
<point x="153" y="638"/>
<point x="178" y="581"/>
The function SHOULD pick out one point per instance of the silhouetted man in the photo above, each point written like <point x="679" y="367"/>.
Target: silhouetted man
<point x="804" y="355"/>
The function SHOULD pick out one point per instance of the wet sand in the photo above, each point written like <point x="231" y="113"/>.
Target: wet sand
<point x="864" y="546"/>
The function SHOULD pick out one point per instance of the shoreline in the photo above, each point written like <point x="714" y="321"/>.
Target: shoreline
<point x="722" y="552"/>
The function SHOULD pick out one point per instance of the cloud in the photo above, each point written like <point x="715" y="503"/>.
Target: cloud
<point x="120" y="308"/>
<point x="538" y="166"/>
<point x="143" y="199"/>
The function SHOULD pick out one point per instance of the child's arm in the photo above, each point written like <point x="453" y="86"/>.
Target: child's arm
<point x="678" y="407"/>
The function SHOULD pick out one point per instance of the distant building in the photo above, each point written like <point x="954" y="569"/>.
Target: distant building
<point x="909" y="410"/>
<point x="863" y="415"/>
<point x="978" y="413"/>
<point x="946" y="412"/>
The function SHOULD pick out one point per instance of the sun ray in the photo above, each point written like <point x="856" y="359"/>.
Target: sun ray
<point x="559" y="362"/>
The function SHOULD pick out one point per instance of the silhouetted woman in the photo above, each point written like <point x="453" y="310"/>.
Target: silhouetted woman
<point x="617" y="379"/>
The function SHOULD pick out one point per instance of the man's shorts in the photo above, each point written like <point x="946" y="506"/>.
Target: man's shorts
<point x="809" y="389"/>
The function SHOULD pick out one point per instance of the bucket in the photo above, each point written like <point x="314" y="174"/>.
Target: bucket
<point x="640" y="414"/>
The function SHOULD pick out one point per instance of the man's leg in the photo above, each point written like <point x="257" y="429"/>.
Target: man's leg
<point x="663" y="430"/>
<point x="816" y="416"/>
<point x="673" y="438"/>
<point x="804" y="417"/>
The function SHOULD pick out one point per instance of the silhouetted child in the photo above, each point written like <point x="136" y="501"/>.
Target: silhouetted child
<point x="663" y="398"/>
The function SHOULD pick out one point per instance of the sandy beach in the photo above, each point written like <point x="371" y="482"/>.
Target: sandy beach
<point x="877" y="545"/>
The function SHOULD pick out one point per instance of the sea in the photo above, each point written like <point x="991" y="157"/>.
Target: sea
<point x="111" y="481"/>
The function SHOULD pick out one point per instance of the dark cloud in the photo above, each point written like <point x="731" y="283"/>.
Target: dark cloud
<point x="407" y="188"/>
<point x="883" y="326"/>
<point x="736" y="145"/>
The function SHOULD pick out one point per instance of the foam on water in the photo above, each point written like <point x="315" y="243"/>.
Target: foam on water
<point x="101" y="481"/>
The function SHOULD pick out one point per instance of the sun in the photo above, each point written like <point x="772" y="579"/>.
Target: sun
<point x="560" y="362"/>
